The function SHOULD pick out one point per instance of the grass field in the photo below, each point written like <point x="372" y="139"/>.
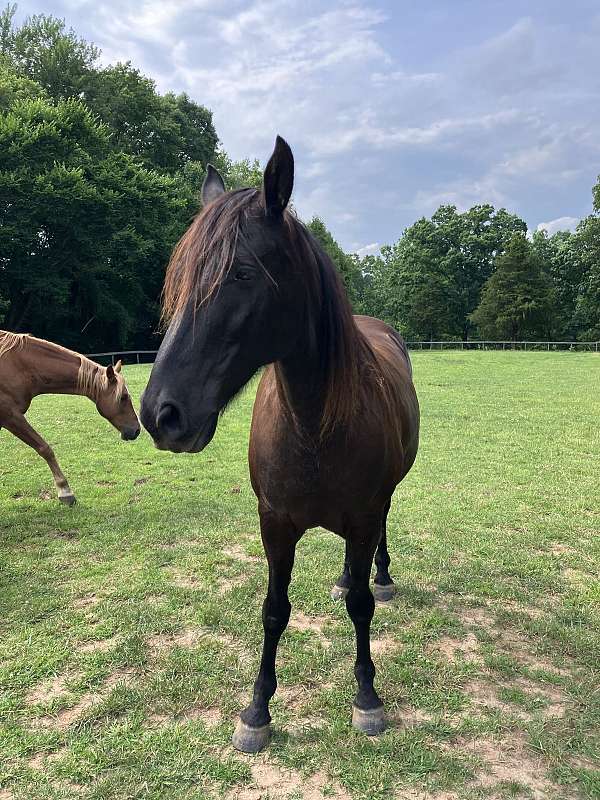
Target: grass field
<point x="130" y="624"/>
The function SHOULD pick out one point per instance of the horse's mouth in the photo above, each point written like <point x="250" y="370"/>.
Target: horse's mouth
<point x="194" y="444"/>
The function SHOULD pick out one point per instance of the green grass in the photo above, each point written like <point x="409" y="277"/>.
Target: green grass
<point x="130" y="624"/>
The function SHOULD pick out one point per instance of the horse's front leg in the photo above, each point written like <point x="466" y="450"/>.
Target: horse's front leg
<point x="362" y="539"/>
<point x="279" y="538"/>
<point x="18" y="425"/>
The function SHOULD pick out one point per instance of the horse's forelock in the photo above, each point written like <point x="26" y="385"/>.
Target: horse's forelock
<point x="203" y="256"/>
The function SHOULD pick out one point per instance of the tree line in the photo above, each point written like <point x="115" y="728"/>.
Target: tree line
<point x="100" y="175"/>
<point x="478" y="274"/>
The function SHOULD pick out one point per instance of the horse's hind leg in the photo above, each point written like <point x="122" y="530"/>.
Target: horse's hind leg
<point x="367" y="714"/>
<point x="279" y="539"/>
<point x="384" y="588"/>
<point x="341" y="586"/>
<point x="18" y="425"/>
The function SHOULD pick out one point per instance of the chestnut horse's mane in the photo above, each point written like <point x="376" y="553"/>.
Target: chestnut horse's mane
<point x="92" y="380"/>
<point x="10" y="341"/>
<point x="203" y="257"/>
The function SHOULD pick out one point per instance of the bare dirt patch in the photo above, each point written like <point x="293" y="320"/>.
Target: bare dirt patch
<point x="37" y="761"/>
<point x="184" y="580"/>
<point x="274" y="782"/>
<point x="417" y="794"/>
<point x="210" y="717"/>
<point x="511" y="760"/>
<point x="560" y="549"/>
<point x="522" y="649"/>
<point x="65" y="718"/>
<point x="188" y="637"/>
<point x="486" y="694"/>
<point x="46" y="692"/>
<point x="407" y="717"/>
<point x="87" y="601"/>
<point x="239" y="554"/>
<point x="99" y="645"/>
<point x="302" y="622"/>
<point x="227" y="585"/>
<point x="383" y="645"/>
<point x="533" y="612"/>
<point x="476" y="617"/>
<point x="466" y="648"/>
<point x="305" y="725"/>
<point x="294" y="697"/>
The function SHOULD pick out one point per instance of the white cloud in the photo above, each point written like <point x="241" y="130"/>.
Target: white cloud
<point x="368" y="249"/>
<point x="559" y="224"/>
<point x="389" y="113"/>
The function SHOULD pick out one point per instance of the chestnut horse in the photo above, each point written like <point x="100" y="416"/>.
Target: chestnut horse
<point x="336" y="419"/>
<point x="30" y="366"/>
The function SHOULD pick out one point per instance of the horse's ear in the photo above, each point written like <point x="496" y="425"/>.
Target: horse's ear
<point x="110" y="374"/>
<point x="118" y="366"/>
<point x="278" y="180"/>
<point x="213" y="185"/>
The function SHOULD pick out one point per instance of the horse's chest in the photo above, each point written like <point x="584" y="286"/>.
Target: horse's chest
<point x="314" y="486"/>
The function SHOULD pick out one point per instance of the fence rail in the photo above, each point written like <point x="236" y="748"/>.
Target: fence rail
<point x="147" y="356"/>
<point x="505" y="345"/>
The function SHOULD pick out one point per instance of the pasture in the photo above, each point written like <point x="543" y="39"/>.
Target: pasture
<point x="130" y="624"/>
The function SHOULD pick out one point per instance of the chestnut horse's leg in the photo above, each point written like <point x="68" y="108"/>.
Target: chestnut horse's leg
<point x="18" y="425"/>
<point x="383" y="589"/>
<point x="279" y="540"/>
<point x="362" y="540"/>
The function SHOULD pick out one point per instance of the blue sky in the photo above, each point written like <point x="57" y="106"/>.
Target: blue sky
<point x="391" y="108"/>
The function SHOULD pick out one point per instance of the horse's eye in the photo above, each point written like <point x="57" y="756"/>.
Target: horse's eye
<point x="244" y="274"/>
<point x="124" y="398"/>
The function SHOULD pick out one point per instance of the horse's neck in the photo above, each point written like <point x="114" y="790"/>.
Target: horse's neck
<point x="301" y="386"/>
<point x="53" y="369"/>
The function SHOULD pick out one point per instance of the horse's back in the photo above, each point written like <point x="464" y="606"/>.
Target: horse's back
<point x="398" y="390"/>
<point x="385" y="340"/>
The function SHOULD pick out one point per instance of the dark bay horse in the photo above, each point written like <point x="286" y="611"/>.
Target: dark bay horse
<point x="30" y="367"/>
<point x="336" y="420"/>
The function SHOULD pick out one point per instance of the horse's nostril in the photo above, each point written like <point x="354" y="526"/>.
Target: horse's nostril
<point x="169" y="419"/>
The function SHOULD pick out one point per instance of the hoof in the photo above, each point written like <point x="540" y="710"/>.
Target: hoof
<point x="338" y="592"/>
<point x="370" y="722"/>
<point x="67" y="499"/>
<point x="385" y="593"/>
<point x="250" y="740"/>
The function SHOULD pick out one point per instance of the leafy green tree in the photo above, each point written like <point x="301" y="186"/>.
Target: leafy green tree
<point x="84" y="231"/>
<point x="45" y="51"/>
<point x="164" y="131"/>
<point x="515" y="300"/>
<point x="239" y="174"/>
<point x="563" y="263"/>
<point x="586" y="317"/>
<point x="414" y="290"/>
<point x="14" y="87"/>
<point x="468" y="244"/>
<point x="344" y="263"/>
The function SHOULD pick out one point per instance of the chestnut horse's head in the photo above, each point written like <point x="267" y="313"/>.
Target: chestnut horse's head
<point x="234" y="298"/>
<point x="112" y="399"/>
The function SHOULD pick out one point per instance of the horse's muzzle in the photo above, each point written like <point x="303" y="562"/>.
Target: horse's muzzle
<point x="130" y="434"/>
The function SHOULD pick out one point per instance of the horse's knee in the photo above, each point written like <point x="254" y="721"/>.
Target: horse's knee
<point x="46" y="452"/>
<point x="276" y="616"/>
<point x="360" y="604"/>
